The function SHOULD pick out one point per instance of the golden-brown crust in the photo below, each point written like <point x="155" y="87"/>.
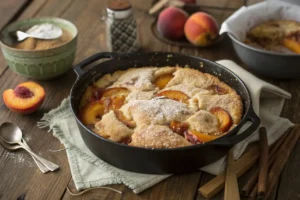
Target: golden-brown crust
<point x="190" y="77"/>
<point x="156" y="136"/>
<point x="146" y="115"/>
<point x="111" y="128"/>
<point x="203" y="121"/>
<point x="136" y="79"/>
<point x="164" y="70"/>
<point x="230" y="102"/>
<point x="155" y="111"/>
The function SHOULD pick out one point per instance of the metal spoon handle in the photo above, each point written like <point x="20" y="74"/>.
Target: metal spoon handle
<point x="40" y="165"/>
<point x="50" y="165"/>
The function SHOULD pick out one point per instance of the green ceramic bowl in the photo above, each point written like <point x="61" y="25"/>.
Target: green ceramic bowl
<point x="39" y="64"/>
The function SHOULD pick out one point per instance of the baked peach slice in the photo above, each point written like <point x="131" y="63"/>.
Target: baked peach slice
<point x="217" y="89"/>
<point x="178" y="127"/>
<point x="292" y="44"/>
<point x="26" y="98"/>
<point x="203" y="137"/>
<point x="120" y="116"/>
<point x="117" y="91"/>
<point x="163" y="80"/>
<point x="223" y="117"/>
<point x="91" y="94"/>
<point x="192" y="138"/>
<point x="112" y="103"/>
<point x="175" y="95"/>
<point x="92" y="113"/>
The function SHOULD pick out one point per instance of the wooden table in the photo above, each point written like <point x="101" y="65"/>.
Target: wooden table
<point x="18" y="173"/>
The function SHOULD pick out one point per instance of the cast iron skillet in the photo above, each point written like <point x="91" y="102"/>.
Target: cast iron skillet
<point x="159" y="161"/>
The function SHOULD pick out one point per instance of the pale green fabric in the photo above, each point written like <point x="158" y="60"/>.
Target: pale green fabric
<point x="90" y="171"/>
<point x="87" y="169"/>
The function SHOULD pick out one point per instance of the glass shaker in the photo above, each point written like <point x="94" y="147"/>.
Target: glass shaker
<point x="121" y="27"/>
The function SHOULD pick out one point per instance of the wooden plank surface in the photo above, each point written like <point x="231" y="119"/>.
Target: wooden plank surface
<point x="221" y="4"/>
<point x="9" y="11"/>
<point x="18" y="171"/>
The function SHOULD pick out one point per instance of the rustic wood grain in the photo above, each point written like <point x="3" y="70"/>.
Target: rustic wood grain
<point x="251" y="2"/>
<point x="95" y="194"/>
<point x="221" y="4"/>
<point x="290" y="177"/>
<point x="20" y="174"/>
<point x="9" y="11"/>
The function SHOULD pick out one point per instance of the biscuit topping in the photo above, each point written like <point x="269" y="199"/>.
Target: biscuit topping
<point x="166" y="107"/>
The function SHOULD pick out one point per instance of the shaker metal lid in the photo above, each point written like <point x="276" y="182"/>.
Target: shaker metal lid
<point x="119" y="9"/>
<point x="119" y="14"/>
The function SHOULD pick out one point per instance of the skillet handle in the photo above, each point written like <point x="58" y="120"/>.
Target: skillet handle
<point x="79" y="67"/>
<point x="232" y="140"/>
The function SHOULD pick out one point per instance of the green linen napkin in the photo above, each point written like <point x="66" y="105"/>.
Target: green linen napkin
<point x="87" y="169"/>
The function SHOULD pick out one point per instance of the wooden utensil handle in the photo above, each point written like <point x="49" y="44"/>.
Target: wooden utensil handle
<point x="231" y="185"/>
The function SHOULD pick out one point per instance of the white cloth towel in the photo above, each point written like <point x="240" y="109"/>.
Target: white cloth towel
<point x="90" y="171"/>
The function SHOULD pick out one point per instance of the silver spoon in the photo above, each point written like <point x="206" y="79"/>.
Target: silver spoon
<point x="12" y="134"/>
<point x="44" y="31"/>
<point x="41" y="166"/>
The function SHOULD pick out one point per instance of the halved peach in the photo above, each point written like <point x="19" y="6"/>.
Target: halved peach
<point x="92" y="93"/>
<point x="203" y="137"/>
<point x="117" y="91"/>
<point x="178" y="127"/>
<point x="25" y="98"/>
<point x="92" y="113"/>
<point x="224" y="118"/>
<point x="163" y="80"/>
<point x="120" y="116"/>
<point x="175" y="95"/>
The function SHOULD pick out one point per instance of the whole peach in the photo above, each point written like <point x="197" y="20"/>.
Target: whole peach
<point x="201" y="29"/>
<point x="171" y="22"/>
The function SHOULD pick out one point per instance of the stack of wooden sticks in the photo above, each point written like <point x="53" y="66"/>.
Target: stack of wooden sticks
<point x="271" y="162"/>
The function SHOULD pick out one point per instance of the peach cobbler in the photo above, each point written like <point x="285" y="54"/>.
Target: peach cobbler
<point x="160" y="107"/>
<point x="281" y="36"/>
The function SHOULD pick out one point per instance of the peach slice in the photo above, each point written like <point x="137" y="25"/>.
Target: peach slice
<point x="292" y="44"/>
<point x="217" y="89"/>
<point x="191" y="138"/>
<point x="26" y="98"/>
<point x="91" y="94"/>
<point x="113" y="103"/>
<point x="178" y="127"/>
<point x="163" y="80"/>
<point x="224" y="118"/>
<point x="92" y="113"/>
<point x="120" y="116"/>
<point x="175" y="95"/>
<point x="203" y="137"/>
<point x="113" y="92"/>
